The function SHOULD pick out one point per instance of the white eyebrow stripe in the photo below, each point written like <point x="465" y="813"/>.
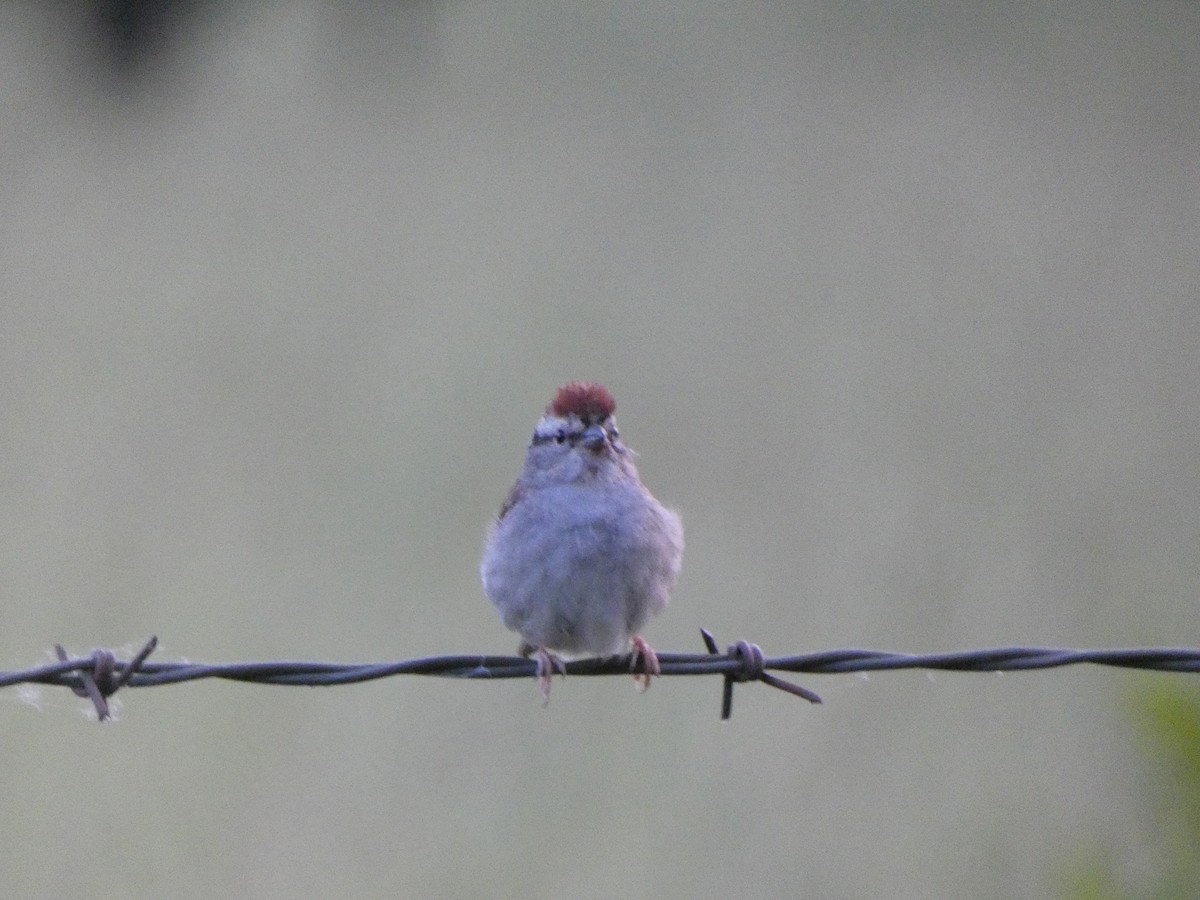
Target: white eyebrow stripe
<point x="549" y="426"/>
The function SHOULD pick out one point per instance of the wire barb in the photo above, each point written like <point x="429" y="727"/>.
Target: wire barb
<point x="100" y="675"/>
<point x="753" y="668"/>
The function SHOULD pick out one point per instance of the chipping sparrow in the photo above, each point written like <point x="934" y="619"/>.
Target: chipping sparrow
<point x="581" y="554"/>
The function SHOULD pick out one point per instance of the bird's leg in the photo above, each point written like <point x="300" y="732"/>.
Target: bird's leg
<point x="644" y="654"/>
<point x="547" y="664"/>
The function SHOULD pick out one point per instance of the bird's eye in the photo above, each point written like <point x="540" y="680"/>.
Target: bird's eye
<point x="560" y="437"/>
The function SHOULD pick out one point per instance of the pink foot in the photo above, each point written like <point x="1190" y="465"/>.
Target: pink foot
<point x="547" y="665"/>
<point x="644" y="655"/>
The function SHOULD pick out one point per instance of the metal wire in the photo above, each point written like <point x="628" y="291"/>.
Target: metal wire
<point x="99" y="675"/>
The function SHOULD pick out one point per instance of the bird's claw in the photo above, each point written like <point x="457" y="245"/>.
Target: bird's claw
<point x="646" y="659"/>
<point x="547" y="664"/>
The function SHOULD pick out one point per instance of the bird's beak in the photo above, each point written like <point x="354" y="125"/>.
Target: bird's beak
<point x="594" y="438"/>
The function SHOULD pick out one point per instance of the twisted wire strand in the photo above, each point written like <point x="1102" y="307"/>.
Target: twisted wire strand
<point x="99" y="674"/>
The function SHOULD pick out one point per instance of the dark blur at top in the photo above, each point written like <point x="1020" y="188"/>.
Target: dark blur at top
<point x="132" y="40"/>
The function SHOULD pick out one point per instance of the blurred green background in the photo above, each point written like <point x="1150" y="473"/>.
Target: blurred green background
<point x="901" y="307"/>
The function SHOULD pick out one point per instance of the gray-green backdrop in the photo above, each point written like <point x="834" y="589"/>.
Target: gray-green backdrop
<point x="901" y="306"/>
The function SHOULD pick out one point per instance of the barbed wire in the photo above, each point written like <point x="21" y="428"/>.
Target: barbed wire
<point x="100" y="674"/>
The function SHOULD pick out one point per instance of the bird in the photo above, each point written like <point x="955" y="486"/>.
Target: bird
<point x="581" y="554"/>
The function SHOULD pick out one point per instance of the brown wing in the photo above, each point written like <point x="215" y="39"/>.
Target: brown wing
<point x="514" y="496"/>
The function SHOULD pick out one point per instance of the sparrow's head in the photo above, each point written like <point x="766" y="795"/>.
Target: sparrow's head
<point x="578" y="424"/>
